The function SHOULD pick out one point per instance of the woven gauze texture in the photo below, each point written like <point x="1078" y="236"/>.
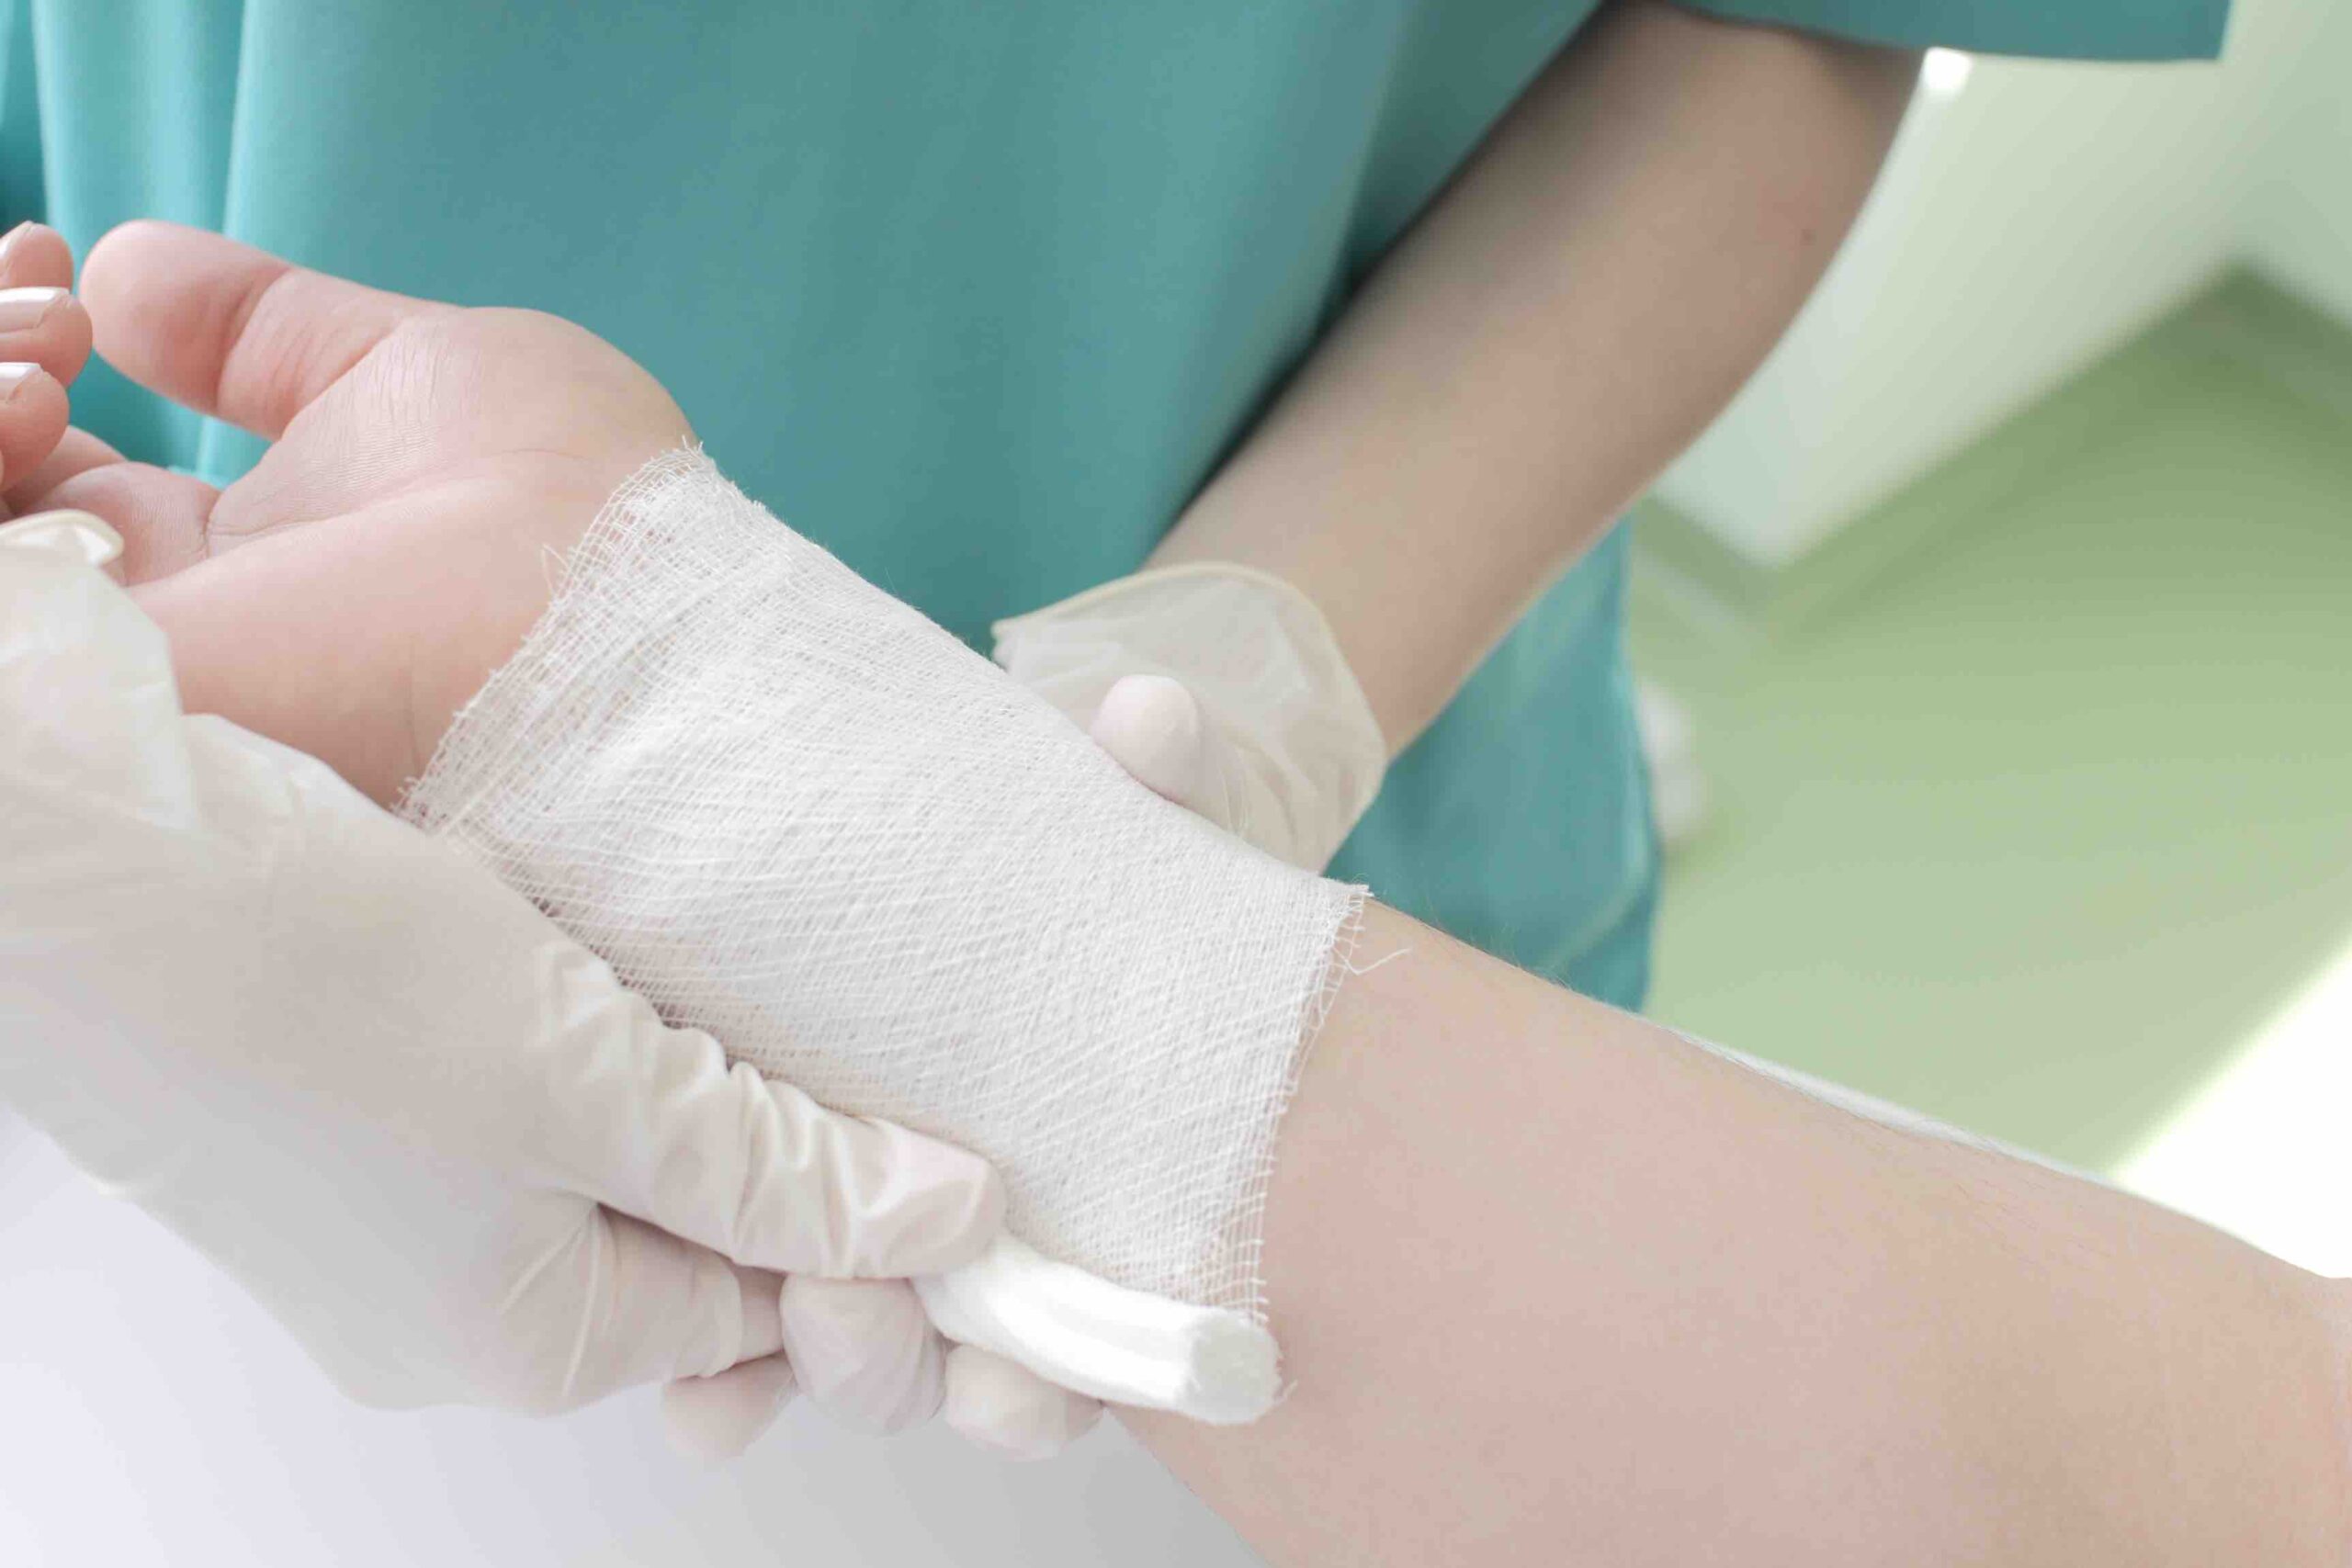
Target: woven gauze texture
<point x="790" y="810"/>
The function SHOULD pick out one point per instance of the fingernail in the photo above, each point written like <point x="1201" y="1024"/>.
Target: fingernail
<point x="13" y="377"/>
<point x="13" y="239"/>
<point x="22" y="309"/>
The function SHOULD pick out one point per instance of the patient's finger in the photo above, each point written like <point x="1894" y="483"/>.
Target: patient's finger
<point x="34" y="255"/>
<point x="46" y="327"/>
<point x="33" y="412"/>
<point x="40" y="321"/>
<point x="226" y="329"/>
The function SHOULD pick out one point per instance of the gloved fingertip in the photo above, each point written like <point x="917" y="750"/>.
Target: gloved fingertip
<point x="865" y="1351"/>
<point x="935" y="1207"/>
<point x="713" y="1419"/>
<point x="839" y="1196"/>
<point x="1151" y="725"/>
<point x="1003" y="1407"/>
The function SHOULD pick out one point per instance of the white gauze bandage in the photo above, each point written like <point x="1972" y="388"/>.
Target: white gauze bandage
<point x="791" y="811"/>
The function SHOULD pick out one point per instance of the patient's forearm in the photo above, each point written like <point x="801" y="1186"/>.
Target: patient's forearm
<point x="1557" y="1287"/>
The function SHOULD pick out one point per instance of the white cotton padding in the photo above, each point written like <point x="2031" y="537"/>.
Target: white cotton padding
<point x="1092" y="1336"/>
<point x="791" y="811"/>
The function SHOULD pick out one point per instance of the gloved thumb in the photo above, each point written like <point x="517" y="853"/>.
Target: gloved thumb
<point x="1152" y="727"/>
<point x="717" y="1417"/>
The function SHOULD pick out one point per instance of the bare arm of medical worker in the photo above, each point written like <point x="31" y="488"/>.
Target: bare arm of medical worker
<point x="1556" y="1287"/>
<point x="1564" y="319"/>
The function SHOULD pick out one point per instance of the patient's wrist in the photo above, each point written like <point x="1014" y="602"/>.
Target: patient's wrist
<point x="793" y="812"/>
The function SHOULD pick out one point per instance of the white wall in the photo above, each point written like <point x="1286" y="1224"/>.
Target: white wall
<point x="2026" y="223"/>
<point x="2298" y="193"/>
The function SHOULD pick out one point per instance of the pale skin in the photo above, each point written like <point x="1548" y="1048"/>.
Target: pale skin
<point x="1568" y="316"/>
<point x="1554" y="1285"/>
<point x="1557" y="1287"/>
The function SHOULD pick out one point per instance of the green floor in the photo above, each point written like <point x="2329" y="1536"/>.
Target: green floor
<point x="2033" y="792"/>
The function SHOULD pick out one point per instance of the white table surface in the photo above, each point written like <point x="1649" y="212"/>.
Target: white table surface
<point x="150" y="1413"/>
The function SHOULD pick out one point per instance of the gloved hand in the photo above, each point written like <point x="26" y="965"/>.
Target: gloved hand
<point x="419" y="450"/>
<point x="428" y="1131"/>
<point x="1223" y="689"/>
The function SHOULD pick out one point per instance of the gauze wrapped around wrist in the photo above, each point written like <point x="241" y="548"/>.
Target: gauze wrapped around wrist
<point x="791" y="811"/>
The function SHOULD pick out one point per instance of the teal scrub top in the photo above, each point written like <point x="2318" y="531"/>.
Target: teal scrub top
<point x="977" y="295"/>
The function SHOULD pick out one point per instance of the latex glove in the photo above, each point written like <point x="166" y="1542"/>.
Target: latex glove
<point x="386" y="553"/>
<point x="1222" y="688"/>
<point x="429" y="1132"/>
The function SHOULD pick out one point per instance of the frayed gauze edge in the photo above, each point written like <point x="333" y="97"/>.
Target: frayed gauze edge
<point x="793" y="812"/>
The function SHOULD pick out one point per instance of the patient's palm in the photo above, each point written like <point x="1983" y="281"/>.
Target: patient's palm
<point x="396" y="541"/>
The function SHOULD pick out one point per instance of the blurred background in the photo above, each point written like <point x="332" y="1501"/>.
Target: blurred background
<point x="1999" y="647"/>
<point x="2004" y="627"/>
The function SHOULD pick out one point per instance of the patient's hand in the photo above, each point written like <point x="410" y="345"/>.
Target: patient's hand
<point x="392" y="547"/>
<point x="44" y="340"/>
